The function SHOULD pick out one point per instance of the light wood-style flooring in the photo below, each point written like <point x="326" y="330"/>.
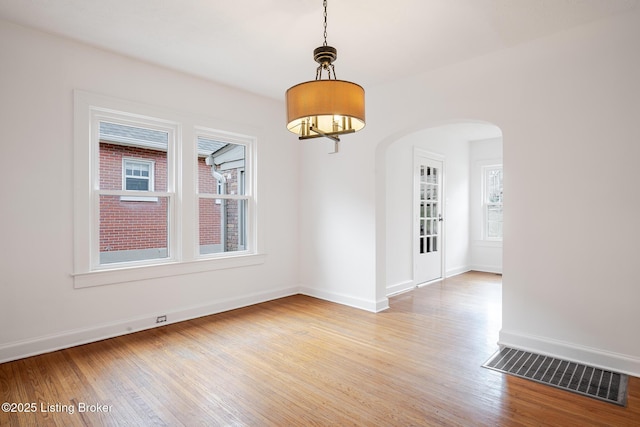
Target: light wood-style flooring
<point x="300" y="361"/>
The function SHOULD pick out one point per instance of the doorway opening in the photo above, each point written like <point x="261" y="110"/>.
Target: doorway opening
<point x="433" y="229"/>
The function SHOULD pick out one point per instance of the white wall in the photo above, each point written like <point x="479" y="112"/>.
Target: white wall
<point x="39" y="308"/>
<point x="567" y="105"/>
<point x="445" y="141"/>
<point x="485" y="255"/>
<point x="336" y="238"/>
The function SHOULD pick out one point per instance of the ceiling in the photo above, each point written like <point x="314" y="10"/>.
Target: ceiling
<point x="265" y="46"/>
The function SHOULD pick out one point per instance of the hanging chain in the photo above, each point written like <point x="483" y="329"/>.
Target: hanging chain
<point x="326" y="63"/>
<point x="324" y="3"/>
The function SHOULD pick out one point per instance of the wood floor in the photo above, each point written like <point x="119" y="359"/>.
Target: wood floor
<point x="300" y="361"/>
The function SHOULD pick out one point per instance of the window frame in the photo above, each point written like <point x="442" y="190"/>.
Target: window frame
<point x="89" y="109"/>
<point x="137" y="162"/>
<point x="98" y="115"/>
<point x="151" y="180"/>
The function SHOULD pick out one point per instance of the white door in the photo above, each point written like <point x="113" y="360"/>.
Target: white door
<point x="428" y="242"/>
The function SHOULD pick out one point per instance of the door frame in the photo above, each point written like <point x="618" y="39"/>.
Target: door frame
<point x="415" y="212"/>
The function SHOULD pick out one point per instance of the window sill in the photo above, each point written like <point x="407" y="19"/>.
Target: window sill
<point x="132" y="274"/>
<point x="138" y="199"/>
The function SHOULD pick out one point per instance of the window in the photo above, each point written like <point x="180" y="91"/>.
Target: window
<point x="128" y="230"/>
<point x="492" y="196"/>
<point x="138" y="175"/>
<point x="223" y="197"/>
<point x="126" y="154"/>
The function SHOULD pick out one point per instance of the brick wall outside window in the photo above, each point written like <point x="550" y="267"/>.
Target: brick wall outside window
<point x="210" y="211"/>
<point x="129" y="225"/>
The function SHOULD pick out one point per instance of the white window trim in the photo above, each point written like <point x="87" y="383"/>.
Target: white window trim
<point x="183" y="235"/>
<point x="486" y="204"/>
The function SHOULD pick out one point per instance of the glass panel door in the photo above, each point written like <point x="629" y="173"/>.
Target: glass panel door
<point x="429" y="209"/>
<point x="428" y="196"/>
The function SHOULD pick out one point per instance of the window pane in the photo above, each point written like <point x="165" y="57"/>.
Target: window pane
<point x="493" y="178"/>
<point x="220" y="167"/>
<point x="133" y="231"/>
<point x="119" y="142"/>
<point x="494" y="221"/>
<point x="494" y="213"/>
<point x="137" y="184"/>
<point x="494" y="185"/>
<point x="222" y="225"/>
<point x="494" y="230"/>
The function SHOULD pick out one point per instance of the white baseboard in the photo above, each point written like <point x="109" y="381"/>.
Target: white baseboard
<point x="408" y="285"/>
<point x="456" y="271"/>
<point x="487" y="268"/>
<point x="430" y="282"/>
<point x="604" y="359"/>
<point x="71" y="338"/>
<point x="368" y="305"/>
<point x="382" y="305"/>
<point x="399" y="288"/>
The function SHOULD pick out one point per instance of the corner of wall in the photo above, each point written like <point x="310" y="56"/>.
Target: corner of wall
<point x="400" y="287"/>
<point x="363" y="304"/>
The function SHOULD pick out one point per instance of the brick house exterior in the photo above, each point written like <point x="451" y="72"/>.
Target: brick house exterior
<point x="212" y="211"/>
<point x="133" y="228"/>
<point x="127" y="224"/>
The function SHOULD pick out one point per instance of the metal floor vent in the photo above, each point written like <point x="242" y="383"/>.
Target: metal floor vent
<point x="582" y="379"/>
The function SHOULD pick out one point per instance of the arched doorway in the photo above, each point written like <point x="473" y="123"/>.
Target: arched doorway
<point x="401" y="218"/>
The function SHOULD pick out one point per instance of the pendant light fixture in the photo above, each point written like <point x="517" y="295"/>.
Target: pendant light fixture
<point x="325" y="108"/>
